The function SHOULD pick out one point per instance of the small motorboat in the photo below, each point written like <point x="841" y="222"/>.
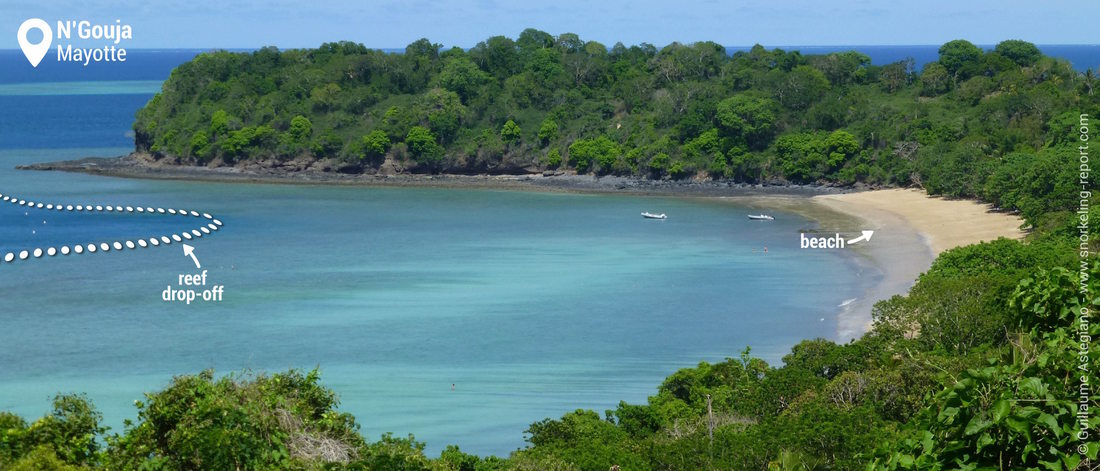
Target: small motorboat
<point x="760" y="217"/>
<point x="654" y="216"/>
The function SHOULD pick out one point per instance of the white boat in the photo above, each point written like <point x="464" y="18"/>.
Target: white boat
<point x="654" y="216"/>
<point x="760" y="217"/>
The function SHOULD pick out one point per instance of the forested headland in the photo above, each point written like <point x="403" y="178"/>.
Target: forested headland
<point x="966" y="125"/>
<point x="979" y="366"/>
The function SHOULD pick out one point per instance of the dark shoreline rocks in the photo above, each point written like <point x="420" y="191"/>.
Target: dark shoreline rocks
<point x="140" y="166"/>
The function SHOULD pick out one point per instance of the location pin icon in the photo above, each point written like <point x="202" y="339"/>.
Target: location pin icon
<point x="35" y="52"/>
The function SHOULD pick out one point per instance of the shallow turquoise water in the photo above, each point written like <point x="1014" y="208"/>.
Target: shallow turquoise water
<point x="531" y="304"/>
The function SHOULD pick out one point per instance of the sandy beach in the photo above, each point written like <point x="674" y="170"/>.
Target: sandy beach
<point x="911" y="229"/>
<point x="945" y="223"/>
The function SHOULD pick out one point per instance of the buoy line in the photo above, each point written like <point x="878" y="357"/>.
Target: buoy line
<point x="209" y="225"/>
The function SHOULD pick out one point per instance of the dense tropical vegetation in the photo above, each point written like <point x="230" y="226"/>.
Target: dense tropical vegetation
<point x="965" y="125"/>
<point x="979" y="366"/>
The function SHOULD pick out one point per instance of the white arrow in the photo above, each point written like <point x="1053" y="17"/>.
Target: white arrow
<point x="189" y="251"/>
<point x="865" y="237"/>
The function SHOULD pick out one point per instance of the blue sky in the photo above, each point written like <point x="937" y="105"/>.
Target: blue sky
<point x="385" y="24"/>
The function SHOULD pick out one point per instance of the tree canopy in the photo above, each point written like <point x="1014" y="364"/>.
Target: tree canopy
<point x="978" y="366"/>
<point x="959" y="126"/>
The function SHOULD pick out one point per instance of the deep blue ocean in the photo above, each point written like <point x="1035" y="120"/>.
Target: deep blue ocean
<point x="530" y="304"/>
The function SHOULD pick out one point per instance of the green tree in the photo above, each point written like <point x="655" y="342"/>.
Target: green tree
<point x="935" y="79"/>
<point x="820" y="357"/>
<point x="219" y="124"/>
<point x="583" y="438"/>
<point x="1023" y="53"/>
<point x="658" y="165"/>
<point x="69" y="433"/>
<point x="327" y="144"/>
<point x="443" y="111"/>
<point x="510" y="132"/>
<point x="801" y="87"/>
<point x="548" y="131"/>
<point x="237" y="422"/>
<point x="1018" y="410"/>
<point x="532" y="39"/>
<point x="460" y="75"/>
<point x="300" y="129"/>
<point x="375" y="145"/>
<point x="840" y="146"/>
<point x="601" y="153"/>
<point x="423" y="146"/>
<point x="248" y="141"/>
<point x="200" y="145"/>
<point x="897" y="75"/>
<point x="960" y="57"/>
<point x="326" y="97"/>
<point x="750" y="119"/>
<point x="553" y="158"/>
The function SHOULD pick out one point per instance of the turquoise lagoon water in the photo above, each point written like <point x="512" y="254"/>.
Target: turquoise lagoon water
<point x="531" y="304"/>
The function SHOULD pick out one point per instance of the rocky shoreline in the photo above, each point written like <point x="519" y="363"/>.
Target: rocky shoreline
<point x="141" y="166"/>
